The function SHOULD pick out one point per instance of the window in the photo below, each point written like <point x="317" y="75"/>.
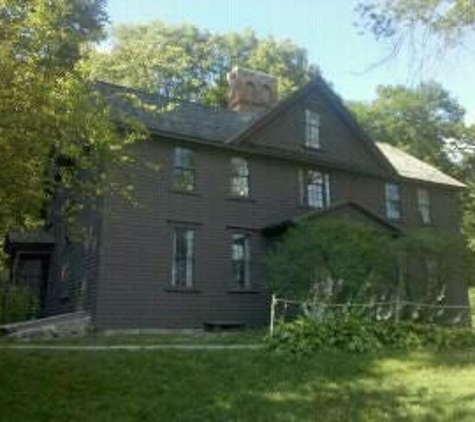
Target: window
<point x="312" y="129"/>
<point x="183" y="257"/>
<point x="423" y="204"/>
<point x="239" y="176"/>
<point x="314" y="189"/>
<point x="184" y="170"/>
<point x="393" y="201"/>
<point x="241" y="256"/>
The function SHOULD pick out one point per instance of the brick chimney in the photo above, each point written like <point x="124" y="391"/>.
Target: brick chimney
<point x="250" y="90"/>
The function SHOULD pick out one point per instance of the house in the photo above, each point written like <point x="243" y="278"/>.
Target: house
<point x="193" y="251"/>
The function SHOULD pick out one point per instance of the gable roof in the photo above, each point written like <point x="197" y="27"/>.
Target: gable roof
<point x="186" y="119"/>
<point x="410" y="167"/>
<point x="317" y="83"/>
<point x="163" y="115"/>
<point x="334" y="209"/>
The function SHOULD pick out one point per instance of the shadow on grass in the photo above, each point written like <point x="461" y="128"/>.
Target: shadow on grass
<point x="233" y="386"/>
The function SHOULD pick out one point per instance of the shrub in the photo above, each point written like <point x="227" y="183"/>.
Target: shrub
<point x="337" y="261"/>
<point x="334" y="260"/>
<point x="17" y="303"/>
<point x="304" y="336"/>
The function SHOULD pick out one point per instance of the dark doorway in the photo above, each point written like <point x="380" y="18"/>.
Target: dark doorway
<point x="31" y="273"/>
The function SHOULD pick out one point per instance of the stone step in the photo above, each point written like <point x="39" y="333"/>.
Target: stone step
<point x="64" y="325"/>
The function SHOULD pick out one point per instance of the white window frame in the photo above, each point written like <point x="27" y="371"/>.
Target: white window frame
<point x="314" y="194"/>
<point x="240" y="177"/>
<point x="312" y="129"/>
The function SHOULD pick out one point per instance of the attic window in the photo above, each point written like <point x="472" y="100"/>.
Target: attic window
<point x="312" y="129"/>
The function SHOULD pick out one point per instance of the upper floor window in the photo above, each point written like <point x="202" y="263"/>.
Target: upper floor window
<point x="393" y="201"/>
<point x="423" y="205"/>
<point x="312" y="129"/>
<point x="183" y="257"/>
<point x="184" y="170"/>
<point x="239" y="176"/>
<point x="314" y="189"/>
<point x="241" y="258"/>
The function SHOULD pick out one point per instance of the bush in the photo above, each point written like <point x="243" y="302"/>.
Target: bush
<point x="352" y="334"/>
<point x="332" y="261"/>
<point x="17" y="303"/>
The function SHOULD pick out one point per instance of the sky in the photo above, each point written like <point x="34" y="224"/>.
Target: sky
<point x="325" y="28"/>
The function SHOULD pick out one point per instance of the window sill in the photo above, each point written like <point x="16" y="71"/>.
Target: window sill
<point x="310" y="208"/>
<point x="313" y="149"/>
<point x="240" y="198"/>
<point x="186" y="290"/>
<point x="244" y="291"/>
<point x="184" y="192"/>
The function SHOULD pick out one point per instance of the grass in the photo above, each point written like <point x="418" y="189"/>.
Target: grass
<point x="236" y="386"/>
<point x="471" y="292"/>
<point x="238" y="337"/>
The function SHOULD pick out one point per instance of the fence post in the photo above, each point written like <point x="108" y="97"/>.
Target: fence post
<point x="272" y="315"/>
<point x="397" y="310"/>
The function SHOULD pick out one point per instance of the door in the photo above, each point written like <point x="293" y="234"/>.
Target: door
<point x="32" y="275"/>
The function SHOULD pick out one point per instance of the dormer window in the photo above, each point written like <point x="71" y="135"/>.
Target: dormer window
<point x="312" y="129"/>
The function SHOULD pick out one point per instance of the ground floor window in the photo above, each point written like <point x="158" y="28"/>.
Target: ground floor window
<point x="241" y="259"/>
<point x="183" y="257"/>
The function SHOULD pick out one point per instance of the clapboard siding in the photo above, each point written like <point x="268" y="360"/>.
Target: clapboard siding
<point x="136" y="252"/>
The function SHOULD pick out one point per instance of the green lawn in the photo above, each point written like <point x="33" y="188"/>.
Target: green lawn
<point x="236" y="386"/>
<point x="238" y="337"/>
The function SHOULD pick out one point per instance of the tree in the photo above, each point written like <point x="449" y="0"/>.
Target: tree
<point x="445" y="24"/>
<point x="188" y="63"/>
<point x="425" y="121"/>
<point x="50" y="115"/>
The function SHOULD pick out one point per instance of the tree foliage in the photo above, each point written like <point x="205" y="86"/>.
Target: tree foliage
<point x="426" y="121"/>
<point x="188" y="63"/>
<point x="446" y="22"/>
<point x="52" y="124"/>
<point x="339" y="261"/>
<point x="334" y="261"/>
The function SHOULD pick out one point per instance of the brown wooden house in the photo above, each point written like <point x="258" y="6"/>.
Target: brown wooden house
<point x="194" y="250"/>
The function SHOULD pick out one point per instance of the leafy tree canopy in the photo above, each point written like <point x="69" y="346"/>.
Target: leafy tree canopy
<point x="48" y="113"/>
<point x="426" y="121"/>
<point x="188" y="63"/>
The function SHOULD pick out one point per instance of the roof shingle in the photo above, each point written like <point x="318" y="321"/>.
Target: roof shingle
<point x="181" y="117"/>
<point x="410" y="167"/>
